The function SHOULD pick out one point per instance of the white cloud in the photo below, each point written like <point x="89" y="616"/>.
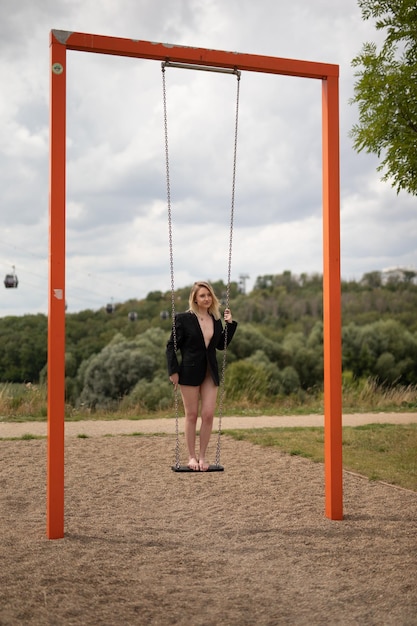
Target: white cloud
<point x="117" y="232"/>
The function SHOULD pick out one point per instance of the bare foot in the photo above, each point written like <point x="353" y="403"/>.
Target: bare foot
<point x="193" y="464"/>
<point x="203" y="465"/>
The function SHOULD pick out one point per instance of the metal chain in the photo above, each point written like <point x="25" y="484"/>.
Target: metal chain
<point x="229" y="270"/>
<point x="171" y="262"/>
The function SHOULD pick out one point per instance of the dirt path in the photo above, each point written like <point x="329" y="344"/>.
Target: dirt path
<point x="248" y="546"/>
<point x="95" y="428"/>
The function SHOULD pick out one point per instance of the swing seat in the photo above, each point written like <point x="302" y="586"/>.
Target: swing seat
<point x="185" y="468"/>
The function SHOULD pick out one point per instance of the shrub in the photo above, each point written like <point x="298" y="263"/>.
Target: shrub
<point x="113" y="373"/>
<point x="150" y="396"/>
<point x="290" y="380"/>
<point x="246" y="380"/>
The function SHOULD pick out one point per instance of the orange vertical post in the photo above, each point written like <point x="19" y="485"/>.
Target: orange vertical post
<point x="56" y="294"/>
<point x="331" y="301"/>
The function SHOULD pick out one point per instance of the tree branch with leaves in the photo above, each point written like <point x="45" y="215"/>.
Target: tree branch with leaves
<point x="386" y="92"/>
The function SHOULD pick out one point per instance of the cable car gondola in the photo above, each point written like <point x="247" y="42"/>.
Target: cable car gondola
<point x="11" y="281"/>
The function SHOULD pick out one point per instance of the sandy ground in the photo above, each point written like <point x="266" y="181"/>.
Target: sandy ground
<point x="247" y="546"/>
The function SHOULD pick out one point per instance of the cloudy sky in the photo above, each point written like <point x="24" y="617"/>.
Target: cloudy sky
<point x="117" y="229"/>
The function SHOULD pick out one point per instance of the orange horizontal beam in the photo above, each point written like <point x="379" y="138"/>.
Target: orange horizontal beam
<point x="101" y="44"/>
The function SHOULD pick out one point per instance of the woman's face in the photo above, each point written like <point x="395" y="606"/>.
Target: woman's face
<point x="203" y="298"/>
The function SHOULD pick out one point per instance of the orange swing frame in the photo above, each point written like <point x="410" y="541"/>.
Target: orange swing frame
<point x="60" y="42"/>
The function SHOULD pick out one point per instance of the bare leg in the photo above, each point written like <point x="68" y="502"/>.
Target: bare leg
<point x="208" y="391"/>
<point x="190" y="398"/>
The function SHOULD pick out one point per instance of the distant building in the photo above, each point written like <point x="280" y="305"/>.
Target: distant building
<point x="399" y="275"/>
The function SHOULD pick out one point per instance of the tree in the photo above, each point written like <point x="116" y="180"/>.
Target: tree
<point x="111" y="375"/>
<point x="23" y="347"/>
<point x="386" y="92"/>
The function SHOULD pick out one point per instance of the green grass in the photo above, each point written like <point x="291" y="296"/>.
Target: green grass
<point x="384" y="452"/>
<point x="24" y="437"/>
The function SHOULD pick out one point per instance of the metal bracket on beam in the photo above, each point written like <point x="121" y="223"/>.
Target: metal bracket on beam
<point x="206" y="68"/>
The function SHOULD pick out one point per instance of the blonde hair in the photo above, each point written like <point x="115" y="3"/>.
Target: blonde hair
<point x="215" y="304"/>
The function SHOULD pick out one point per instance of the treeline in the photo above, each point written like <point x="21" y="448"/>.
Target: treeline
<point x="119" y="357"/>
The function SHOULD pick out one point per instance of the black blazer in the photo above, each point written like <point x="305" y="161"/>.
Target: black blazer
<point x="195" y="357"/>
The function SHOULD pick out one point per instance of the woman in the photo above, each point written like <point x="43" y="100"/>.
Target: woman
<point x="199" y="332"/>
